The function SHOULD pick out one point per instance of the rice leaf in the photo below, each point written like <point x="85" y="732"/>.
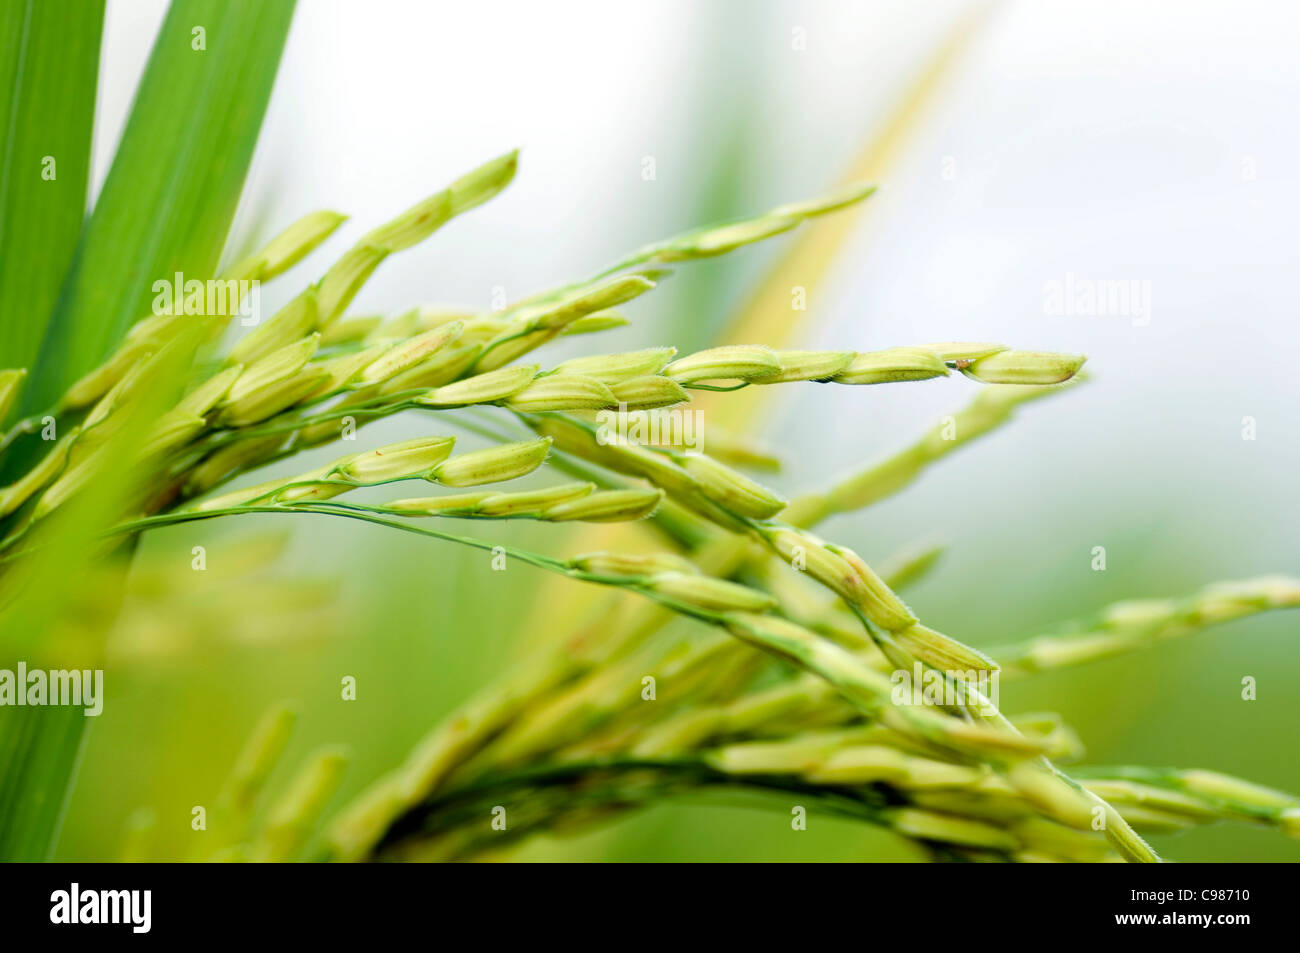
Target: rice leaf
<point x="172" y="191"/>
<point x="49" y="63"/>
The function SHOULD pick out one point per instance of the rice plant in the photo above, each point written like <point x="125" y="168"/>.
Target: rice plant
<point x="808" y="679"/>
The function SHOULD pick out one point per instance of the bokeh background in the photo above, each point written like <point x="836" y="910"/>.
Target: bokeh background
<point x="1107" y="140"/>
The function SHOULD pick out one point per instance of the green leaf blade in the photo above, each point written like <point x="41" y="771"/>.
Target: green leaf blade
<point x="49" y="66"/>
<point x="172" y="192"/>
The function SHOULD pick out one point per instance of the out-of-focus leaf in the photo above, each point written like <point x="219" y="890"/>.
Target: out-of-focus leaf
<point x="41" y="625"/>
<point x="49" y="64"/>
<point x="172" y="191"/>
